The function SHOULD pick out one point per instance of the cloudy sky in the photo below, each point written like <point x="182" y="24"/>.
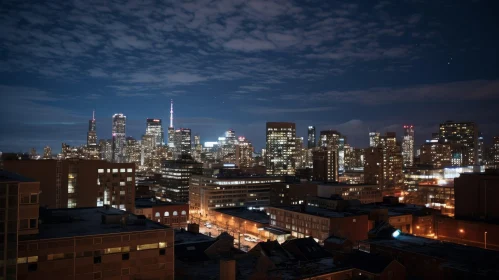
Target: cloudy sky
<point x="350" y="66"/>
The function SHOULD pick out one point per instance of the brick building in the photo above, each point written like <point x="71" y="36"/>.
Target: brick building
<point x="175" y="215"/>
<point x="80" y="183"/>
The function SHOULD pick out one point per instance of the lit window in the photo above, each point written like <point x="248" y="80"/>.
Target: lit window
<point x="122" y="183"/>
<point x="175" y="213"/>
<point x="167" y="214"/>
<point x="112" y="250"/>
<point x="157" y="214"/>
<point x="115" y="170"/>
<point x="128" y="179"/>
<point x="108" y="170"/>
<point x="129" y="170"/>
<point x="123" y="170"/>
<point x="51" y="257"/>
<point x="162" y="244"/>
<point x="183" y="213"/>
<point x="147" y="246"/>
<point x="100" y="171"/>
<point x="125" y="249"/>
<point x="32" y="259"/>
<point x="22" y="260"/>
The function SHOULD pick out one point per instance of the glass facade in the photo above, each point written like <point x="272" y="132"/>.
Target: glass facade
<point x="119" y="138"/>
<point x="280" y="148"/>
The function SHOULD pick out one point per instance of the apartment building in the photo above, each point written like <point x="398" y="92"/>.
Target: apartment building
<point x="175" y="215"/>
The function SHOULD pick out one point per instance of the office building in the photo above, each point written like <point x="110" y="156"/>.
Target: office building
<point x="329" y="139"/>
<point x="119" y="137"/>
<point x="207" y="193"/>
<point x="227" y="147"/>
<point x="383" y="164"/>
<point x="171" y="129"/>
<point x="198" y="148"/>
<point x="408" y="146"/>
<point x="244" y="153"/>
<point x="319" y="223"/>
<point x="47" y="153"/>
<point x="133" y="151"/>
<point x="106" y="149"/>
<point x="325" y="165"/>
<point x="341" y="154"/>
<point x="92" y="134"/>
<point x="182" y="142"/>
<point x="174" y="215"/>
<point x="175" y="175"/>
<point x="154" y="127"/>
<point x="480" y="150"/>
<point x="80" y="183"/>
<point x="280" y="148"/>
<point x="463" y="138"/>
<point x="364" y="193"/>
<point x="435" y="154"/>
<point x="291" y="192"/>
<point x="19" y="208"/>
<point x="311" y="137"/>
<point x="374" y="139"/>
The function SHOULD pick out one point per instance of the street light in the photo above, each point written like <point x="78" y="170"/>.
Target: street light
<point x="485" y="239"/>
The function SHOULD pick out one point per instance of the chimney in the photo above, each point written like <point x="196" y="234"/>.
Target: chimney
<point x="227" y="269"/>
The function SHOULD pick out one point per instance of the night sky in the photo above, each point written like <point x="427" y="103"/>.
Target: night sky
<point x="350" y="66"/>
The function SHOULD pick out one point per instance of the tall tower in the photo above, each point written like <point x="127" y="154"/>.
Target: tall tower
<point x="171" y="130"/>
<point x="311" y="137"/>
<point x="374" y="139"/>
<point x="119" y="137"/>
<point x="463" y="138"/>
<point x="280" y="149"/>
<point x="408" y="146"/>
<point x="154" y="127"/>
<point x="183" y="142"/>
<point x="92" y="133"/>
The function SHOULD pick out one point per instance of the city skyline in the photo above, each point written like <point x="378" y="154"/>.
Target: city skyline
<point x="353" y="67"/>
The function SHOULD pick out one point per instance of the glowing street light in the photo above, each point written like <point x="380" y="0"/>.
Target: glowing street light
<point x="396" y="233"/>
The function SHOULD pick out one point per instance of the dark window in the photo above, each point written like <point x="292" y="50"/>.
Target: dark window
<point x="125" y="256"/>
<point x="162" y="252"/>
<point x="23" y="224"/>
<point x="32" y="267"/>
<point x="33" y="198"/>
<point x="97" y="275"/>
<point x="97" y="260"/>
<point x="32" y="223"/>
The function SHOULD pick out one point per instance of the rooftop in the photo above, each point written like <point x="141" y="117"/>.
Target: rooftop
<point x="345" y="185"/>
<point x="316" y="211"/>
<point x="64" y="223"/>
<point x="186" y="237"/>
<point x="150" y="202"/>
<point x="6" y="176"/>
<point x="246" y="214"/>
<point x="460" y="257"/>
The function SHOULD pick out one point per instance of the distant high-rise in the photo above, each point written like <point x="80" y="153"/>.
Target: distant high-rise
<point x="435" y="153"/>
<point x="373" y="139"/>
<point x="47" y="153"/>
<point x="325" y="165"/>
<point x="280" y="148"/>
<point x="311" y="137"/>
<point x="171" y="129"/>
<point x="480" y="150"/>
<point x="329" y="139"/>
<point x="92" y="133"/>
<point x="154" y="127"/>
<point x="182" y="142"/>
<point x="383" y="163"/>
<point x="106" y="149"/>
<point x="495" y="151"/>
<point x="244" y="153"/>
<point x="119" y="137"/>
<point x="228" y="145"/>
<point x="463" y="138"/>
<point x="408" y="146"/>
<point x="175" y="175"/>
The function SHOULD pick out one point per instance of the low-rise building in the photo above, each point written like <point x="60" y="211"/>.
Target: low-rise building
<point x="292" y="192"/>
<point x="175" y="215"/>
<point x="364" y="193"/>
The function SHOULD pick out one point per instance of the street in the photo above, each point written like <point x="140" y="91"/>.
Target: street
<point x="215" y="231"/>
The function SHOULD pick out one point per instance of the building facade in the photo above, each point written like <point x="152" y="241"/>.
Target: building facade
<point x="175" y="175"/>
<point x="280" y="148"/>
<point x="325" y="165"/>
<point x="244" y="153"/>
<point x="80" y="183"/>
<point x="408" y="145"/>
<point x="463" y="138"/>
<point x="154" y="127"/>
<point x="92" y="137"/>
<point x="183" y="142"/>
<point x="436" y="154"/>
<point x="311" y="137"/>
<point x="119" y="138"/>
<point x="174" y="215"/>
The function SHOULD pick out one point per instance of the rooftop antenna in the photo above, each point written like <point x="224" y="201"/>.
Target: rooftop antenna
<point x="93" y="115"/>
<point x="171" y="113"/>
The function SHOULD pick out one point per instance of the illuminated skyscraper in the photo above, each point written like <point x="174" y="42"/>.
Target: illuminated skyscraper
<point x="311" y="137"/>
<point x="155" y="128"/>
<point x="495" y="149"/>
<point x="463" y="138"/>
<point x="171" y="130"/>
<point x="227" y="146"/>
<point x="119" y="137"/>
<point x="325" y="165"/>
<point x="480" y="150"/>
<point x="436" y="154"/>
<point x="92" y="133"/>
<point x="383" y="164"/>
<point x="280" y="148"/>
<point x="182" y="142"/>
<point x="373" y="139"/>
<point x="408" y="146"/>
<point x="244" y="153"/>
<point x="47" y="153"/>
<point x="329" y="139"/>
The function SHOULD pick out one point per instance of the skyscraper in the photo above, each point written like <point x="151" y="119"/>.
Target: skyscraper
<point x="325" y="165"/>
<point x="329" y="139"/>
<point x="228" y="147"/>
<point x="495" y="149"/>
<point x="311" y="137"/>
<point x="383" y="164"/>
<point x="480" y="150"/>
<point x="92" y="133"/>
<point x="244" y="153"/>
<point x="119" y="137"/>
<point x="280" y="148"/>
<point x="171" y="129"/>
<point x="463" y="138"/>
<point x="154" y="127"/>
<point x="47" y="153"/>
<point x="182" y="142"/>
<point x="408" y="146"/>
<point x="373" y="139"/>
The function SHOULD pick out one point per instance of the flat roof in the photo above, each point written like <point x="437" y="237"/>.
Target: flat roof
<point x="343" y="185"/>
<point x="6" y="176"/>
<point x="316" y="211"/>
<point x="246" y="214"/>
<point x="185" y="237"/>
<point x="150" y="202"/>
<point x="71" y="222"/>
<point x="458" y="256"/>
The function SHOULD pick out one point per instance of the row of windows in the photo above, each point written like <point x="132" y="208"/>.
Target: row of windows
<point x="115" y="170"/>
<point x="175" y="213"/>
